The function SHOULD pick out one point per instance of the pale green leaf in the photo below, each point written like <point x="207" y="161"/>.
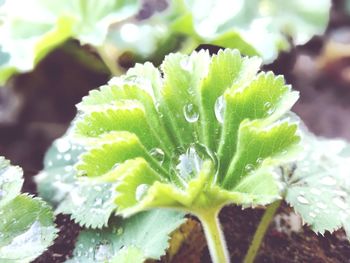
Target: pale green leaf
<point x="26" y="229"/>
<point x="143" y="236"/>
<point x="319" y="188"/>
<point x="11" y="181"/>
<point x="32" y="28"/>
<point x="90" y="205"/>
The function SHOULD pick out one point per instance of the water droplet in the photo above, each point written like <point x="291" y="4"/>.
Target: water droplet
<point x="186" y="64"/>
<point x="328" y="181"/>
<point x="315" y="191"/>
<point x="259" y="161"/>
<point x="98" y="202"/>
<point x="302" y="200"/>
<point x="339" y="202"/>
<point x="67" y="157"/>
<point x="103" y="252"/>
<point x="62" y="145"/>
<point x="141" y="191"/>
<point x="219" y="108"/>
<point x="249" y="168"/>
<point x="269" y="108"/>
<point x="32" y="236"/>
<point x="115" y="166"/>
<point x="191" y="113"/>
<point x="312" y="214"/>
<point x="76" y="198"/>
<point x="186" y="164"/>
<point x="157" y="154"/>
<point x="321" y="205"/>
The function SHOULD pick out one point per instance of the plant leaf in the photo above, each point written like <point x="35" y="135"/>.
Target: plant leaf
<point x="89" y="205"/>
<point x="11" y="181"/>
<point x="26" y="229"/>
<point x="319" y="187"/>
<point x="31" y="29"/>
<point x="134" y="240"/>
<point x="226" y="132"/>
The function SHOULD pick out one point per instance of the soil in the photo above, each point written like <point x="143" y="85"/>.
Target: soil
<point x="37" y="107"/>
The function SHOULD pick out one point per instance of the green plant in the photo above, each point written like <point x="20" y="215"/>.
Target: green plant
<point x="152" y="139"/>
<point x="26" y="223"/>
<point x="208" y="133"/>
<point x="104" y="238"/>
<point x="111" y="28"/>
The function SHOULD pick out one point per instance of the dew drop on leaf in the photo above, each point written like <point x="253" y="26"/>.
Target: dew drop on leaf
<point x="321" y="205"/>
<point x="188" y="163"/>
<point x="115" y="166"/>
<point x="62" y="145"/>
<point x="259" y="161"/>
<point x="328" y="181"/>
<point x="32" y="237"/>
<point x="269" y="108"/>
<point x="315" y="191"/>
<point x="339" y="202"/>
<point x="186" y="64"/>
<point x="249" y="168"/>
<point x="141" y="191"/>
<point x="157" y="154"/>
<point x="191" y="113"/>
<point x="67" y="157"/>
<point x="312" y="214"/>
<point x="219" y="108"/>
<point x="302" y="200"/>
<point x="103" y="252"/>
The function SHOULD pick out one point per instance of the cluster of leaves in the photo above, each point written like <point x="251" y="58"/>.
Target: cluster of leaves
<point x="26" y="223"/>
<point x="26" y="37"/>
<point x="254" y="27"/>
<point x="104" y="237"/>
<point x="191" y="137"/>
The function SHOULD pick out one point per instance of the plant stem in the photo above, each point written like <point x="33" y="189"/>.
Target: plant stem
<point x="261" y="230"/>
<point x="214" y="235"/>
<point x="110" y="63"/>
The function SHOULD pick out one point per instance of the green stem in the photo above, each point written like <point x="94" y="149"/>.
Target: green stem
<point x="214" y="235"/>
<point x="109" y="62"/>
<point x="261" y="230"/>
<point x="189" y="45"/>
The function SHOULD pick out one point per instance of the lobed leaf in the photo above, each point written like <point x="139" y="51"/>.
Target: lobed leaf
<point x="26" y="223"/>
<point x="31" y="29"/>
<point x="89" y="205"/>
<point x="220" y="131"/>
<point x="134" y="240"/>
<point x="319" y="187"/>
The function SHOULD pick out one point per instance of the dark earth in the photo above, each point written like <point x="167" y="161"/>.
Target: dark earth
<point x="37" y="107"/>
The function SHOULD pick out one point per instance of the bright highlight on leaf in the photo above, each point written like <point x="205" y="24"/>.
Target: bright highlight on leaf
<point x="143" y="236"/>
<point x="319" y="188"/>
<point x="26" y="223"/>
<point x="202" y="132"/>
<point x="31" y="29"/>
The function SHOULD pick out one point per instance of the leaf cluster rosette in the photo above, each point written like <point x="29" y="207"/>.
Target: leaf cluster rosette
<point x="199" y="133"/>
<point x="26" y="223"/>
